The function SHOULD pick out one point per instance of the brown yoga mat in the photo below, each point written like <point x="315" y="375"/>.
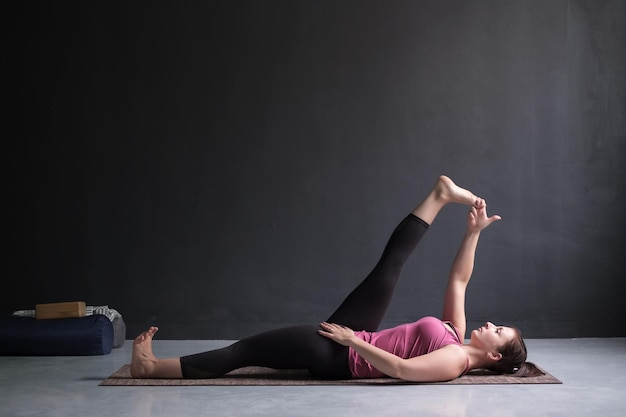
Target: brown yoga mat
<point x="265" y="376"/>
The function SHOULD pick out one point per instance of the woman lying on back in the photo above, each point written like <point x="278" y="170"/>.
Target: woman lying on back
<point x="349" y="345"/>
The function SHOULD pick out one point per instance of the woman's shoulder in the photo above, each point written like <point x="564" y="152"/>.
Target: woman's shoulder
<point x="458" y="356"/>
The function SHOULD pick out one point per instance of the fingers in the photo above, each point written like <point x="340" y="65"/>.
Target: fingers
<point x="477" y="218"/>
<point x="487" y="221"/>
<point x="333" y="328"/>
<point x="483" y="211"/>
<point x="336" y="332"/>
<point x="327" y="330"/>
<point x="325" y="334"/>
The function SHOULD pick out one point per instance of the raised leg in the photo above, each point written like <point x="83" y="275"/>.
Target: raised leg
<point x="365" y="307"/>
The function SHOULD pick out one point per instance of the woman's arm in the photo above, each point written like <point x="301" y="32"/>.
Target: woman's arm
<point x="441" y="365"/>
<point x="460" y="274"/>
<point x="463" y="266"/>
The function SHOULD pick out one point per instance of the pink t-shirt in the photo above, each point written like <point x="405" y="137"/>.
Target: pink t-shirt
<point x="406" y="341"/>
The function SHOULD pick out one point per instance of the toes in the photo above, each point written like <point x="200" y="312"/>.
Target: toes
<point x="148" y="334"/>
<point x="480" y="202"/>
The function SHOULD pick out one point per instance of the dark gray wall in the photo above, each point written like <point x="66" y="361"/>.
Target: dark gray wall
<point x="222" y="168"/>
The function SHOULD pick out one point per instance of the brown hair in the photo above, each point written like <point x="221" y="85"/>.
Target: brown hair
<point x="513" y="359"/>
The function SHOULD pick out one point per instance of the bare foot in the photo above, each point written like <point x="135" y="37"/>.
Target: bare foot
<point x="447" y="191"/>
<point x="143" y="361"/>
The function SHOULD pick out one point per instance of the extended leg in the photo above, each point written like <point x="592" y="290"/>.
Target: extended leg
<point x="296" y="347"/>
<point x="365" y="307"/>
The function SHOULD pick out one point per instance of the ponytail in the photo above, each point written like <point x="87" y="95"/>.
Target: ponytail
<point x="528" y="369"/>
<point x="513" y="361"/>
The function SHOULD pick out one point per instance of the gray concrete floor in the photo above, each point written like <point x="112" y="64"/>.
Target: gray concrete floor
<point x="593" y="372"/>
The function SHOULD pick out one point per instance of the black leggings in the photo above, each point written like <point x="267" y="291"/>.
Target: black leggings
<point x="301" y="347"/>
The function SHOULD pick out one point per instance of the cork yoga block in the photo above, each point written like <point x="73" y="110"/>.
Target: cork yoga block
<point x="60" y="310"/>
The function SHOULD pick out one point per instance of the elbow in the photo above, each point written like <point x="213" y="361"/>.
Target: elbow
<point x="419" y="374"/>
<point x="401" y="370"/>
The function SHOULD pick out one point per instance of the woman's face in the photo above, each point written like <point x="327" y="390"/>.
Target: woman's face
<point x="490" y="337"/>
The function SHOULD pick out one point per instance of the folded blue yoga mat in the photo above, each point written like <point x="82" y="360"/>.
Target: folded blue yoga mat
<point x="24" y="336"/>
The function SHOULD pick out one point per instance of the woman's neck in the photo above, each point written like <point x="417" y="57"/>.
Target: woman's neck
<point x="478" y="358"/>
